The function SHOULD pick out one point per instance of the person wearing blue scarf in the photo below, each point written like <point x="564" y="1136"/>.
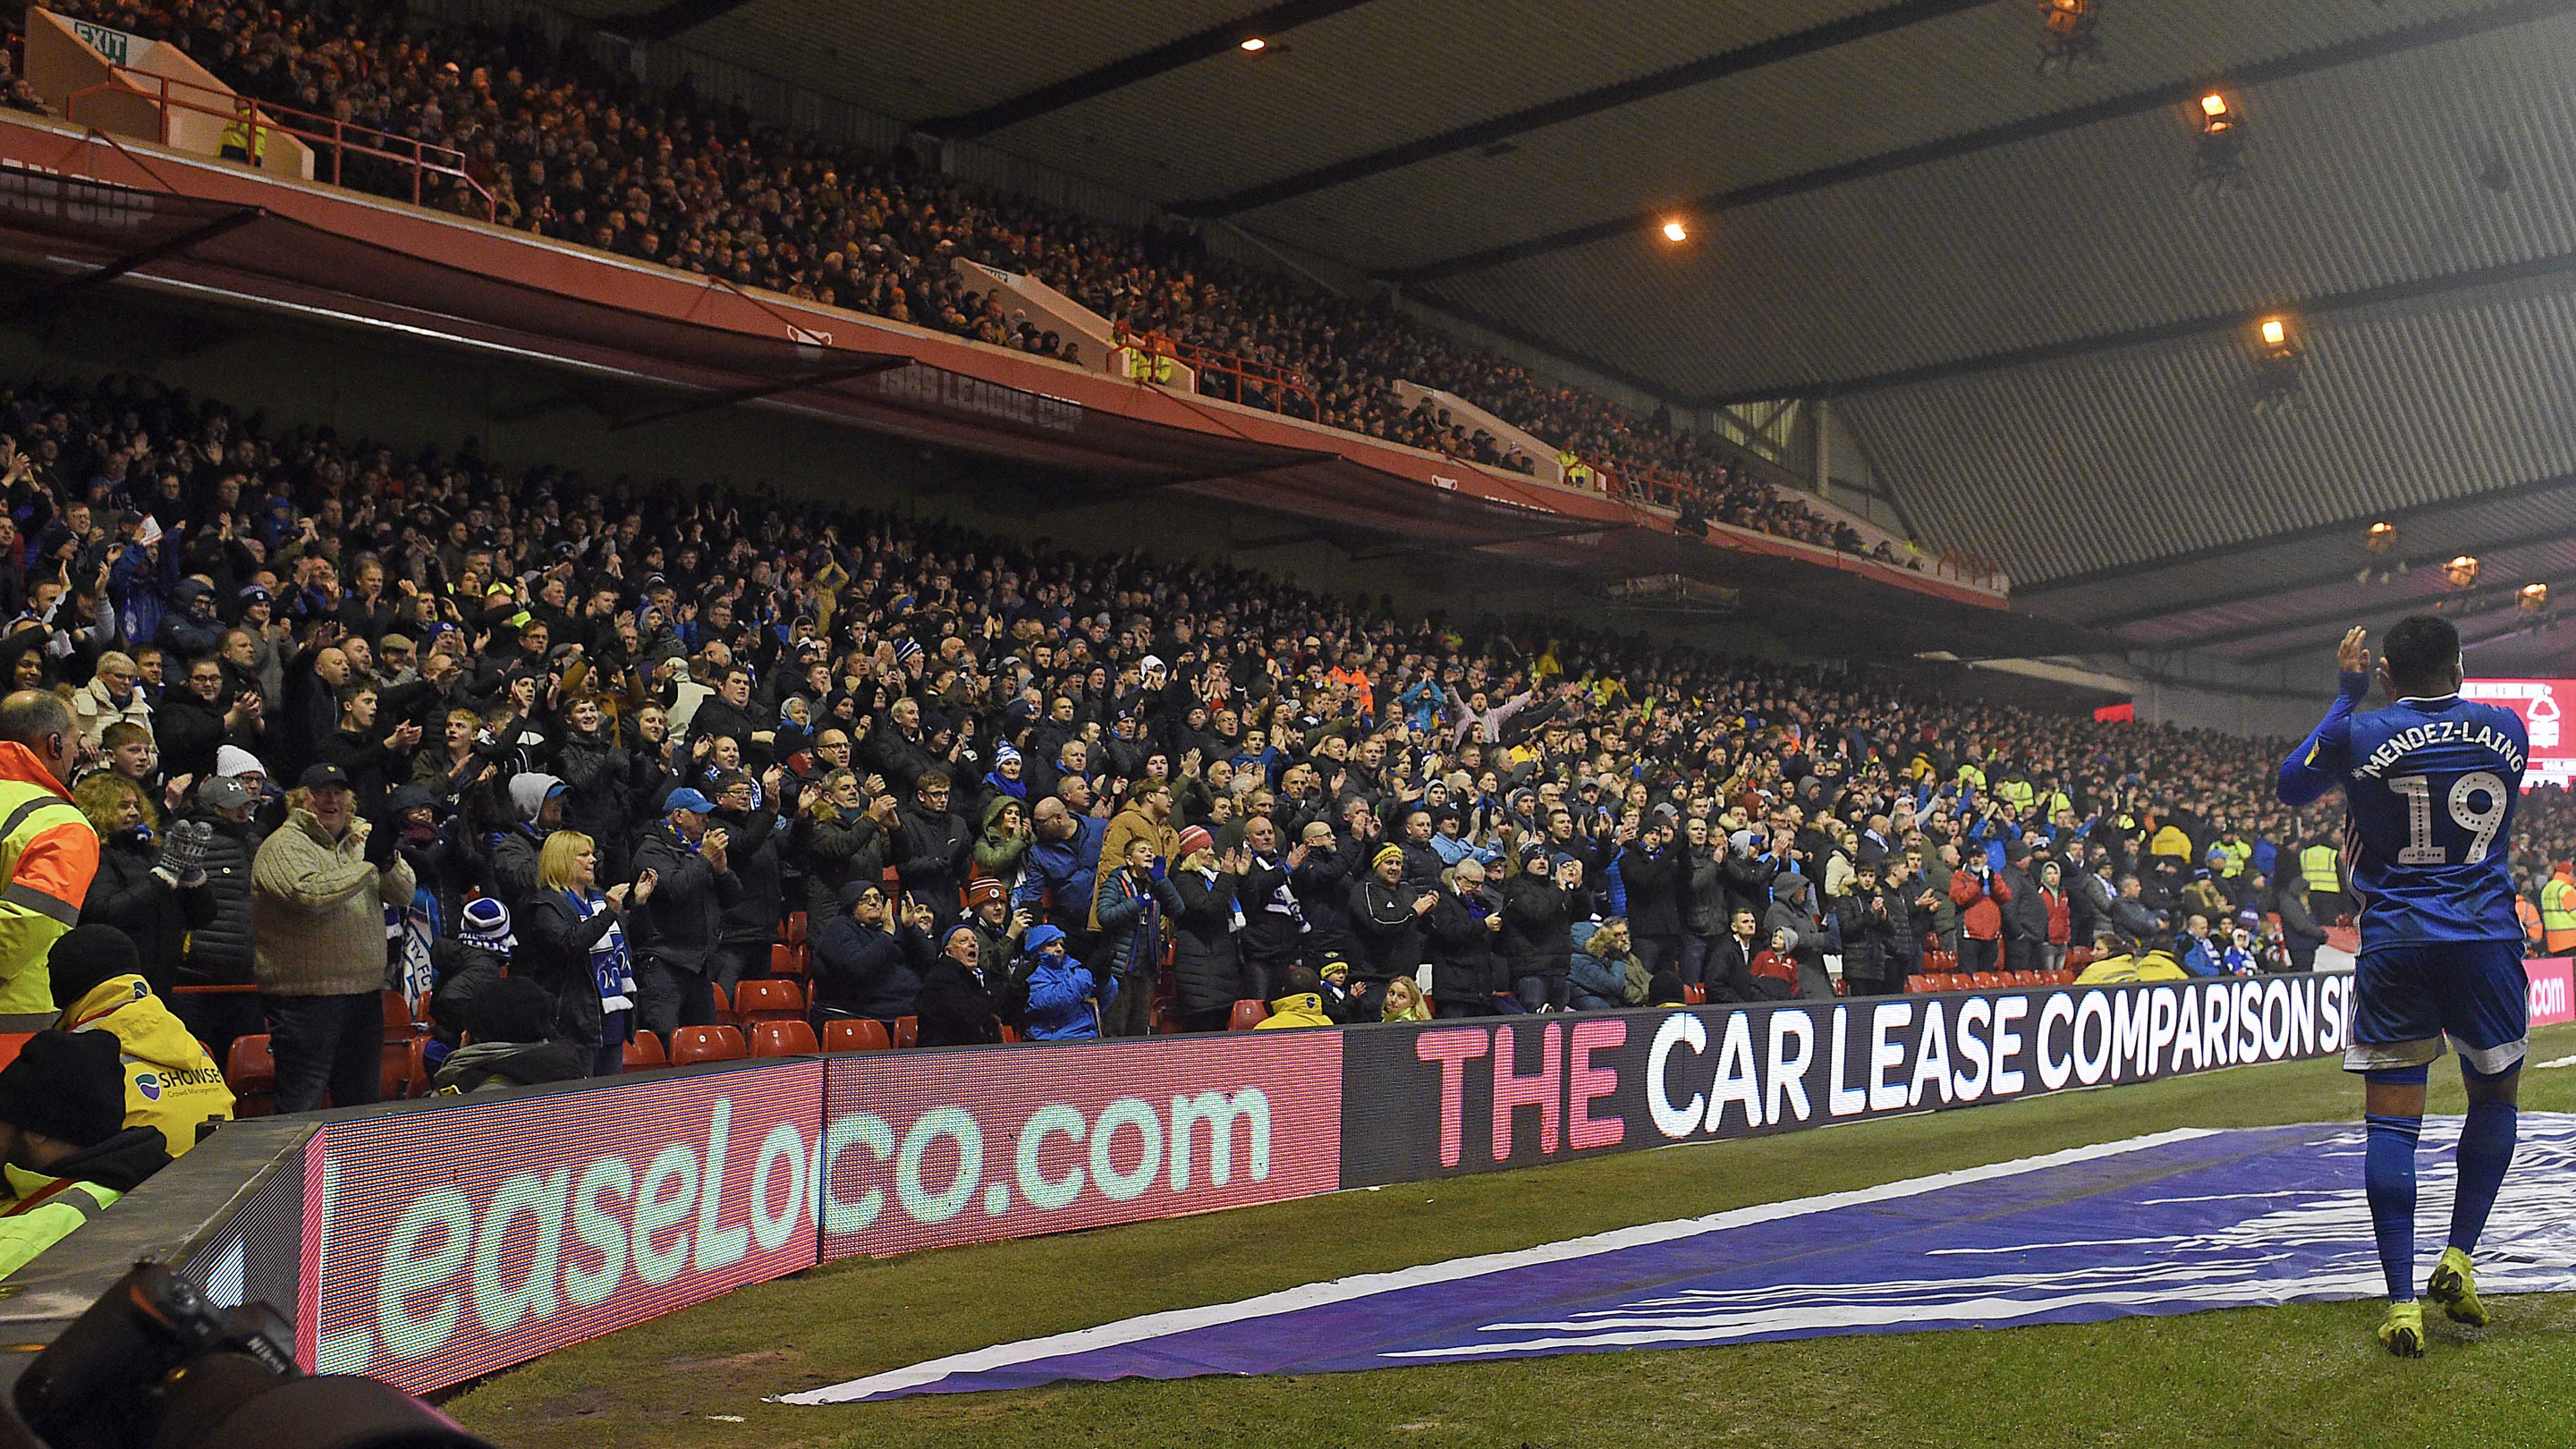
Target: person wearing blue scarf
<point x="1005" y="776"/>
<point x="572" y="939"/>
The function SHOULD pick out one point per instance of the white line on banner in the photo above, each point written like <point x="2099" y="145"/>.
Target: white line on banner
<point x="1312" y="1295"/>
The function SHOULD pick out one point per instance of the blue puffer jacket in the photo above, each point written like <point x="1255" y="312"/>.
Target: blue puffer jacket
<point x="1597" y="977"/>
<point x="1060" y="992"/>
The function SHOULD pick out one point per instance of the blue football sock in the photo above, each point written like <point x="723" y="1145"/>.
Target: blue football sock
<point x="2388" y="1179"/>
<point x="2486" y="1150"/>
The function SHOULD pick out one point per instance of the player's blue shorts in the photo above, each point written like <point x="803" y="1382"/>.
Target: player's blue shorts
<point x="2410" y="997"/>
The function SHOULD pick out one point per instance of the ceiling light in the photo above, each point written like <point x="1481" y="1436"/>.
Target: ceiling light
<point x="2462" y="570"/>
<point x="1254" y="43"/>
<point x="2535" y="597"/>
<point x="1674" y="231"/>
<point x="2381" y="537"/>
<point x="2274" y="332"/>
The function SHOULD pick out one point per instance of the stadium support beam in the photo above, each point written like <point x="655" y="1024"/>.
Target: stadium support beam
<point x="1057" y="503"/>
<point x="2312" y="309"/>
<point x="2394" y="42"/>
<point x="2349" y="527"/>
<point x="1451" y="546"/>
<point x="664" y="21"/>
<point x="158" y="251"/>
<point x="1281" y="540"/>
<point x="1479" y="134"/>
<point x="709" y="401"/>
<point x="1100" y="80"/>
<point x="2327" y="578"/>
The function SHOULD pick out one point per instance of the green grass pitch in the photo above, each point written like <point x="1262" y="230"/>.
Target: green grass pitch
<point x="2303" y="1375"/>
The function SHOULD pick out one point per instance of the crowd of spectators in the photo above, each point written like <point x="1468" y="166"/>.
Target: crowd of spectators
<point x="581" y="153"/>
<point x="605" y="738"/>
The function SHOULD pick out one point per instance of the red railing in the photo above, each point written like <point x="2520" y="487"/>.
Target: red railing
<point x="1254" y="384"/>
<point x="325" y="134"/>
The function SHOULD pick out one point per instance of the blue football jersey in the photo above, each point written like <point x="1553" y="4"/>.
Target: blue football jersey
<point x="2429" y="788"/>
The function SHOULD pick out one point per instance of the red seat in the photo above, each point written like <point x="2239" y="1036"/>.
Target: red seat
<point x="786" y="960"/>
<point x="694" y="1044"/>
<point x="1919" y="986"/>
<point x="644" y="1053"/>
<point x="1247" y="1015"/>
<point x="252" y="1074"/>
<point x="783" y="1039"/>
<point x="861" y="1035"/>
<point x="417" y="1069"/>
<point x="2059" y="977"/>
<point x="1694" y="993"/>
<point x="397" y="1013"/>
<point x="907" y="1031"/>
<point x="395" y="1079"/>
<point x="773" y="1000"/>
<point x="2024" y="978"/>
<point x="724" y="1005"/>
<point x="795" y="928"/>
<point x="2079" y="957"/>
<point x="1986" y="981"/>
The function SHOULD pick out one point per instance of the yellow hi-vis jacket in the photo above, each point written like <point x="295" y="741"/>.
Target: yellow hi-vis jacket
<point x="48" y="853"/>
<point x="2558" y="914"/>
<point x="245" y="134"/>
<point x="42" y="1209"/>
<point x="2323" y="870"/>
<point x="170" y="1082"/>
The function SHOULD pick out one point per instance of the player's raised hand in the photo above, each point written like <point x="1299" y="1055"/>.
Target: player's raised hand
<point x="2352" y="656"/>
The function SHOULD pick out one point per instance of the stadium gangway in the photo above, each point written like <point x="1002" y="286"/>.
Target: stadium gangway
<point x="323" y="133"/>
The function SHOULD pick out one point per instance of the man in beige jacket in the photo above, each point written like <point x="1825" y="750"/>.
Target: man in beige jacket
<point x="318" y="940"/>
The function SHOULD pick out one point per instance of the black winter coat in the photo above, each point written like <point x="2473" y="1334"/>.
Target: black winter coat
<point x="1729" y="972"/>
<point x="599" y="792"/>
<point x="1654" y="881"/>
<point x="189" y="732"/>
<point x="1390" y="933"/>
<point x="961" y="1007"/>
<point x="1538" y="927"/>
<point x="1322" y="886"/>
<point x="2026" y="914"/>
<point x="682" y="922"/>
<point x="833" y="852"/>
<point x="751" y="852"/>
<point x="862" y="970"/>
<point x="932" y="857"/>
<point x="1270" y="938"/>
<point x="1463" y="967"/>
<point x="1204" y="962"/>
<point x="1705" y="898"/>
<point x="1748" y="885"/>
<point x="554" y="951"/>
<point x="156" y="915"/>
<point x="219" y="949"/>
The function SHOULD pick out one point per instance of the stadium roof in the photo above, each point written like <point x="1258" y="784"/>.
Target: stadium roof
<point x="2031" y="321"/>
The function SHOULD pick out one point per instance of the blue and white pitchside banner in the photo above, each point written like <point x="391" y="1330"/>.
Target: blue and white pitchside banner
<point x="2171" y="1223"/>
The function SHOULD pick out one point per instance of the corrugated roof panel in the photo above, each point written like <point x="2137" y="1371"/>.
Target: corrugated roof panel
<point x="2359" y="177"/>
<point x="962" y="55"/>
<point x="1388" y="72"/>
<point x="2157" y="450"/>
<point x="1940" y="78"/>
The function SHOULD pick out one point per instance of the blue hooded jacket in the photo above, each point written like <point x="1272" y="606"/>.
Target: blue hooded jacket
<point x="1060" y="988"/>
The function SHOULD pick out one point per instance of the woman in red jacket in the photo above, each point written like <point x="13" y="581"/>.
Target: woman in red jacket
<point x="1978" y="895"/>
<point x="2061" y="920"/>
